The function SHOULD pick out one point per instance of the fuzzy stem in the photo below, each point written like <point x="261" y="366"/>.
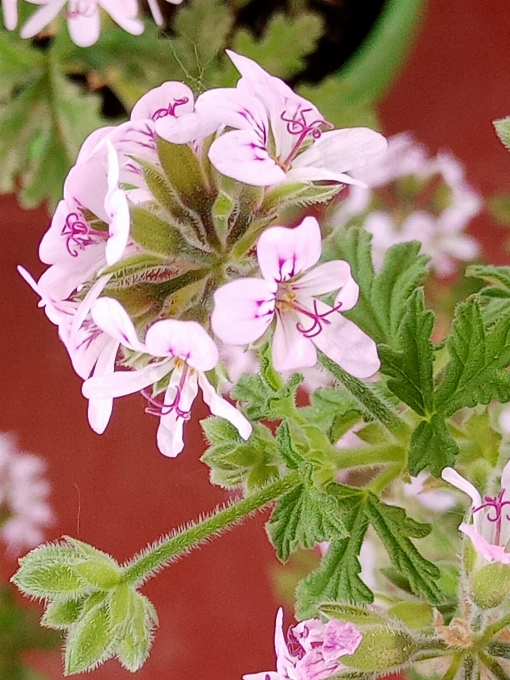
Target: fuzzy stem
<point x="495" y="668"/>
<point x="491" y="631"/>
<point x="454" y="666"/>
<point x="361" y="456"/>
<point x="367" y="398"/>
<point x="150" y="561"/>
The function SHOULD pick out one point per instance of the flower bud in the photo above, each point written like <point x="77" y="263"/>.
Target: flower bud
<point x="381" y="649"/>
<point x="491" y="585"/>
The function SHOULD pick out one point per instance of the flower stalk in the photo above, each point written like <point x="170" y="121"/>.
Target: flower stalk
<point x="148" y="563"/>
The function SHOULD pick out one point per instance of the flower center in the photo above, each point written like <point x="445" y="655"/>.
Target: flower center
<point x="299" y="126"/>
<point x="496" y="505"/>
<point x="286" y="300"/>
<point x="170" y="109"/>
<point x="78" y="234"/>
<point x="159" y="408"/>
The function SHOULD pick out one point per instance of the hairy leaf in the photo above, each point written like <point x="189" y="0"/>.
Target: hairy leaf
<point x="383" y="296"/>
<point x="304" y="517"/>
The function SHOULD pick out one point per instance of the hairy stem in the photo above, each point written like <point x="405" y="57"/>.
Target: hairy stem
<point x="150" y="561"/>
<point x="367" y="397"/>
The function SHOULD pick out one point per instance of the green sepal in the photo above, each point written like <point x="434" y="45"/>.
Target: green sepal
<point x="120" y="603"/>
<point x="221" y="211"/>
<point x="382" y="648"/>
<point x="185" y="175"/>
<point x="90" y="641"/>
<point x="304" y="517"/>
<point x="133" y="650"/>
<point x="98" y="573"/>
<point x="158" y="236"/>
<point x="234" y="462"/>
<point x="286" y="194"/>
<point x="62" y="614"/>
<point x="360" y="616"/>
<point x="416" y="615"/>
<point x="136" y="270"/>
<point x="50" y="579"/>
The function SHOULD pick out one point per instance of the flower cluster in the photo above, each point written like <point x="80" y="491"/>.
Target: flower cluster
<point x="152" y="247"/>
<point x="409" y="196"/>
<point x="83" y="16"/>
<point x="313" y="650"/>
<point x="24" y="508"/>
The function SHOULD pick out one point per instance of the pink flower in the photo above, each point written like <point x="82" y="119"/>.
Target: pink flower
<point x="23" y="497"/>
<point x="490" y="530"/>
<point x="83" y="18"/>
<point x="244" y="309"/>
<point x="408" y="196"/>
<point x="274" y="135"/>
<point x="179" y="350"/>
<point x="313" y="650"/>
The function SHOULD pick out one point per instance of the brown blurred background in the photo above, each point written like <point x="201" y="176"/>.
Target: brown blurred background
<point x="216" y="606"/>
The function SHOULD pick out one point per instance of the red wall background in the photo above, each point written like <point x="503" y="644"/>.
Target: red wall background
<point x="116" y="491"/>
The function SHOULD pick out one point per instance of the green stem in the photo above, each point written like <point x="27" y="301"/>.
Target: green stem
<point x="366" y="456"/>
<point x="386" y="477"/>
<point x="454" y="666"/>
<point x="150" y="561"/>
<point x="367" y="397"/>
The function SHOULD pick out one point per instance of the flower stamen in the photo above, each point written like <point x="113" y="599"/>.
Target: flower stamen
<point x="298" y="125"/>
<point x="170" y="109"/>
<point x="162" y="409"/>
<point x="78" y="234"/>
<point x="496" y="504"/>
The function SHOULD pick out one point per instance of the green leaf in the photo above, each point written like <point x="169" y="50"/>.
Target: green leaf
<point x="334" y="410"/>
<point x="411" y="368"/>
<point x="89" y="642"/>
<point x="337" y="577"/>
<point x="304" y="517"/>
<point x="299" y="34"/>
<point x="49" y="579"/>
<point x="502" y="127"/>
<point x="234" y="462"/>
<point x="476" y="372"/>
<point x="360" y="616"/>
<point x="383" y="296"/>
<point x="431" y="446"/>
<point x="265" y="395"/>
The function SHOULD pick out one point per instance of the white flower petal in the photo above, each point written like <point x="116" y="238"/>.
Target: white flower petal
<point x="284" y="253"/>
<point x="186" y="340"/>
<point x="243" y="311"/>
<point x="111" y="317"/>
<point x="325" y="278"/>
<point x="121" y="383"/>
<point x="290" y="348"/>
<point x="241" y="155"/>
<point x="170" y="99"/>
<point x="221" y="407"/>
<point x="100" y="410"/>
<point x="343" y="150"/>
<point x="41" y="18"/>
<point x="346" y="344"/>
<point x="170" y="431"/>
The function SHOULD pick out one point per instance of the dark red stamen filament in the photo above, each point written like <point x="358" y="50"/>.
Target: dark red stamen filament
<point x="170" y="109"/>
<point x="496" y="504"/>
